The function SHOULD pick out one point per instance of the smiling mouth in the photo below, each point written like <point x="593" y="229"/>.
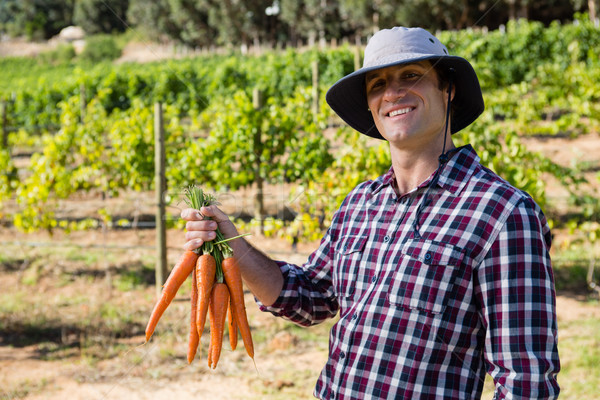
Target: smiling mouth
<point x="400" y="111"/>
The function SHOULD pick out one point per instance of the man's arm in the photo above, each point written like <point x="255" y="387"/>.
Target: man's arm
<point x="261" y="274"/>
<point x="518" y="308"/>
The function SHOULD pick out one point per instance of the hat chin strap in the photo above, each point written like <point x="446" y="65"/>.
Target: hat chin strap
<point x="442" y="159"/>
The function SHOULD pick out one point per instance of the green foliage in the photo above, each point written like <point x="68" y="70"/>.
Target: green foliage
<point x="101" y="16"/>
<point x="514" y="55"/>
<point x="275" y="143"/>
<point x="100" y="48"/>
<point x="549" y="87"/>
<point x="64" y="53"/>
<point x="8" y="176"/>
<point x="233" y="23"/>
<point x="35" y="19"/>
<point x="152" y="19"/>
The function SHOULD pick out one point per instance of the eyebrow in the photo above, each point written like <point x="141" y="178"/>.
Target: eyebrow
<point x="369" y="76"/>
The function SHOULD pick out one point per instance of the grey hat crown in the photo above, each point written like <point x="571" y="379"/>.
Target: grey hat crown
<point x="391" y="45"/>
<point x="401" y="45"/>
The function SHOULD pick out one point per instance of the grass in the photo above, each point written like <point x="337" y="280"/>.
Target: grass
<point x="22" y="388"/>
<point x="571" y="265"/>
<point x="37" y="71"/>
<point x="69" y="313"/>
<point x="579" y="348"/>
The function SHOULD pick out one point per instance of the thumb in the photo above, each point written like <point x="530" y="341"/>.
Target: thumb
<point x="215" y="213"/>
<point x="225" y="225"/>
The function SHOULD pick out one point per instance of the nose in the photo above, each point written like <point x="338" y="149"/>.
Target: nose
<point x="396" y="89"/>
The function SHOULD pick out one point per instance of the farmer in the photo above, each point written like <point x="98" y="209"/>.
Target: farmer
<point x="439" y="269"/>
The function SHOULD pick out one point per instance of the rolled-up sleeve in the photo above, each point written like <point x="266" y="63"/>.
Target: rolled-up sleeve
<point x="518" y="299"/>
<point x="307" y="297"/>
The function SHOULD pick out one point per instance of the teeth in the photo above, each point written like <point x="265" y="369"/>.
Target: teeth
<point x="401" y="111"/>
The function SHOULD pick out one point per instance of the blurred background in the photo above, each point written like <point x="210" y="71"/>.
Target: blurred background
<point x="110" y="109"/>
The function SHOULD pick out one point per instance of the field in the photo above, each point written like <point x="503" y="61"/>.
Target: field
<point x="74" y="307"/>
<point x="75" y="295"/>
<point x="73" y="324"/>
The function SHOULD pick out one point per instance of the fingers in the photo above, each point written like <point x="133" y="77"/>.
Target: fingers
<point x="202" y="224"/>
<point x="204" y="235"/>
<point x="198" y="232"/>
<point x="191" y="214"/>
<point x="193" y="244"/>
<point x="213" y="212"/>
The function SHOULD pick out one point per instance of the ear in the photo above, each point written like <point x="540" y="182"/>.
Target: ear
<point x="453" y="92"/>
<point x="451" y="85"/>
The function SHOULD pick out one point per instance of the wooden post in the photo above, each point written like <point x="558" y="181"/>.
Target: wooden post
<point x="82" y="102"/>
<point x="4" y="124"/>
<point x="592" y="11"/>
<point x="259" y="208"/>
<point x="315" y="88"/>
<point x="357" y="56"/>
<point x="160" y="189"/>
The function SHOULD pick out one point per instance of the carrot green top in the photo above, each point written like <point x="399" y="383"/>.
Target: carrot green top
<point x="196" y="198"/>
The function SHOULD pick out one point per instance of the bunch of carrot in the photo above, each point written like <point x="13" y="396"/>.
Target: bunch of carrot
<point x="216" y="290"/>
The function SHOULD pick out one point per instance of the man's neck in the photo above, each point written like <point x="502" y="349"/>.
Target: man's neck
<point x="411" y="169"/>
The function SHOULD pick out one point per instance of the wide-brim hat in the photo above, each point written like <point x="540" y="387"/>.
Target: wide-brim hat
<point x="399" y="45"/>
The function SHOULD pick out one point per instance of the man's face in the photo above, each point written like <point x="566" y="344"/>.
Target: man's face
<point x="407" y="104"/>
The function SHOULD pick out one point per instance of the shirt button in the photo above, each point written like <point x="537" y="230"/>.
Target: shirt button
<point x="342" y="355"/>
<point x="354" y="316"/>
<point x="386" y="238"/>
<point x="428" y="257"/>
<point x="374" y="279"/>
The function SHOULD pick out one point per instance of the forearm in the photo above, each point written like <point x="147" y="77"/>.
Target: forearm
<point x="263" y="276"/>
<point x="260" y="273"/>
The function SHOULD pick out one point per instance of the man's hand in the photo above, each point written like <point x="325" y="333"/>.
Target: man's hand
<point x="260" y="273"/>
<point x="202" y="224"/>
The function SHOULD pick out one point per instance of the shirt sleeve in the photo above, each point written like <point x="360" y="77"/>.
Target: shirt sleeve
<point x="518" y="308"/>
<point x="307" y="297"/>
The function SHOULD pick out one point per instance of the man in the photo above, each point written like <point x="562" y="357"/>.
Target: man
<point x="439" y="269"/>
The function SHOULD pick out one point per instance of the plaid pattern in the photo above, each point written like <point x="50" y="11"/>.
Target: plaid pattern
<point x="425" y="312"/>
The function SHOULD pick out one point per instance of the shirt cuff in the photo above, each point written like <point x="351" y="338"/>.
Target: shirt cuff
<point x="282" y="302"/>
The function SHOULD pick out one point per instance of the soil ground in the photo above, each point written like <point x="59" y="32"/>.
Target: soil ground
<point x="287" y="362"/>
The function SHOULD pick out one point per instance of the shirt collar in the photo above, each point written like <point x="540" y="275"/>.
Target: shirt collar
<point x="463" y="162"/>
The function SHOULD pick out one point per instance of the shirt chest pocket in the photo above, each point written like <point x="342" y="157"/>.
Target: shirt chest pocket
<point x="349" y="266"/>
<point x="425" y="277"/>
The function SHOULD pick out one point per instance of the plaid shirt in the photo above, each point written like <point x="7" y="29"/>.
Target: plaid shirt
<point x="427" y="308"/>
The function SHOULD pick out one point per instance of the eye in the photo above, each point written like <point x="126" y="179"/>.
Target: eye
<point x="376" y="83"/>
<point x="411" y="75"/>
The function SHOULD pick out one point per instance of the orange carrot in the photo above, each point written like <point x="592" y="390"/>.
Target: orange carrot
<point x="205" y="278"/>
<point x="194" y="339"/>
<point x="233" y="278"/>
<point x="232" y="326"/>
<point x="219" y="299"/>
<point x="178" y="275"/>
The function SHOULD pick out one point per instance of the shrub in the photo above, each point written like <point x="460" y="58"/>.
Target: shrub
<point x="99" y="48"/>
<point x="63" y="54"/>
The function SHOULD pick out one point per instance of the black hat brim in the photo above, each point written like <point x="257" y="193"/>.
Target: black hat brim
<point x="348" y="98"/>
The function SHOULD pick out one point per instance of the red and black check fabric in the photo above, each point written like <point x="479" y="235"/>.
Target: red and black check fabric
<point x="425" y="310"/>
